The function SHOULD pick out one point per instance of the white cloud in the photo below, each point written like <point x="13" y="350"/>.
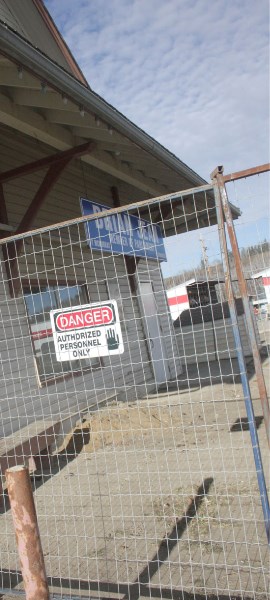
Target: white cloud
<point x="194" y="74"/>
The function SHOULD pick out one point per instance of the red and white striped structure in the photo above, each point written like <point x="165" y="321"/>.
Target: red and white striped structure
<point x="265" y="275"/>
<point x="191" y="294"/>
<point x="178" y="299"/>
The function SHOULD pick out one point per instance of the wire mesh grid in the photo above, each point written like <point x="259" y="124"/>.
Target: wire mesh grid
<point x="121" y="369"/>
<point x="251" y="195"/>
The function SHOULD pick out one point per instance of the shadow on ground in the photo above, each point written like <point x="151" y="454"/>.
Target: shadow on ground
<point x="242" y="424"/>
<point x="74" y="445"/>
<point x="141" y="588"/>
<point x="211" y="373"/>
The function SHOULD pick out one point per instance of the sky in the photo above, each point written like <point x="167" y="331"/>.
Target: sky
<point x="194" y="74"/>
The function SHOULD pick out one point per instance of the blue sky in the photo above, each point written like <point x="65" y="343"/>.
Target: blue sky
<point x="194" y="74"/>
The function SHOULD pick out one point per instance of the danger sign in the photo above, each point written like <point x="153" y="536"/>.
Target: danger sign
<point x="89" y="317"/>
<point x="87" y="331"/>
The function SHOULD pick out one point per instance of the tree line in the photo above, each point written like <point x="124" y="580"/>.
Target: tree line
<point x="254" y="258"/>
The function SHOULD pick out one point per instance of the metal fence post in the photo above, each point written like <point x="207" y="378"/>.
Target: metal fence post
<point x="27" y="533"/>
<point x="241" y="358"/>
<point x="244" y="295"/>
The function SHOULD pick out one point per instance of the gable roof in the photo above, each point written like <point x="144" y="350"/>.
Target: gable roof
<point x="77" y="72"/>
<point x="46" y="100"/>
<point x="32" y="21"/>
<point x="73" y="113"/>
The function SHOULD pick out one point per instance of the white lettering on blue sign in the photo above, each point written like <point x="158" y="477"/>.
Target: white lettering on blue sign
<point x="122" y="233"/>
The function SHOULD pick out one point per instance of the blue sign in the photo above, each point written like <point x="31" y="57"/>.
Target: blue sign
<point x="122" y="233"/>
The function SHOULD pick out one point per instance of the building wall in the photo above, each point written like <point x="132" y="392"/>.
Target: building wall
<point x="51" y="256"/>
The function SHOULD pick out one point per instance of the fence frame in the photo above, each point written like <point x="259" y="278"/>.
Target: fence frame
<point x="224" y="216"/>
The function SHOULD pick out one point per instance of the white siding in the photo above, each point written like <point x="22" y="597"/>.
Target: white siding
<point x="129" y="375"/>
<point x="126" y="375"/>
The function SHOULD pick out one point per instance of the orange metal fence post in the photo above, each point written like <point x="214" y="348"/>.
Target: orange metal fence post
<point x="219" y="178"/>
<point x="27" y="533"/>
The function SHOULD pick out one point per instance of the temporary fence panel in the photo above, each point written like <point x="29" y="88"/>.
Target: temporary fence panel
<point x="212" y="341"/>
<point x="142" y="465"/>
<point x="224" y="215"/>
<point x="251" y="195"/>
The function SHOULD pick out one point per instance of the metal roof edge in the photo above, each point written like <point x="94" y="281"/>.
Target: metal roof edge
<point x="22" y="52"/>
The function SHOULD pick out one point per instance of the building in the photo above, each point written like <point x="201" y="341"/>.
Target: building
<point x="202" y="322"/>
<point x="191" y="294"/>
<point x="61" y="142"/>
<point x="263" y="278"/>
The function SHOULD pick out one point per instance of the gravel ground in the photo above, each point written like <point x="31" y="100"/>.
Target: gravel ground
<point x="155" y="499"/>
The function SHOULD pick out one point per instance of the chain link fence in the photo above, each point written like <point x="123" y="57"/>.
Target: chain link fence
<point x="123" y="389"/>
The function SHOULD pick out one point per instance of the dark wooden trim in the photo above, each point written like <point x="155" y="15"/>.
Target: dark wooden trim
<point x="47" y="161"/>
<point x="57" y="164"/>
<point x="131" y="262"/>
<point x="6" y="249"/>
<point x="165" y="211"/>
<point x="14" y="248"/>
<point x="48" y="182"/>
<point x="115" y="196"/>
<point x="11" y="259"/>
<point x="8" y="269"/>
<point x="3" y="207"/>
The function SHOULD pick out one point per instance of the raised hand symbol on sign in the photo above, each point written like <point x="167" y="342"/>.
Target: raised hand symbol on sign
<point x="112" y="339"/>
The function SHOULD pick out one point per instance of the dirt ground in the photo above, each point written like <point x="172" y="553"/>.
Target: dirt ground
<point x="157" y="498"/>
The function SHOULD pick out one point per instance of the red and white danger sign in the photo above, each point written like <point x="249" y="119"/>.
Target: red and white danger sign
<point x="87" y="331"/>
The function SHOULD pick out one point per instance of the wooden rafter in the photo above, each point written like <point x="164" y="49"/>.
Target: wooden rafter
<point x="47" y="161"/>
<point x="60" y="161"/>
<point x="48" y="182"/>
<point x="33" y="124"/>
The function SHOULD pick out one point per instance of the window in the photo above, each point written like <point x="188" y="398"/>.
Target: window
<point x="201" y="294"/>
<point x="40" y="301"/>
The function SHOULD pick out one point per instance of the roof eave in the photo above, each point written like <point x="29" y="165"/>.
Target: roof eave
<point x="22" y="52"/>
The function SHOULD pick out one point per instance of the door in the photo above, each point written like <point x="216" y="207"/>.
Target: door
<point x="154" y="333"/>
